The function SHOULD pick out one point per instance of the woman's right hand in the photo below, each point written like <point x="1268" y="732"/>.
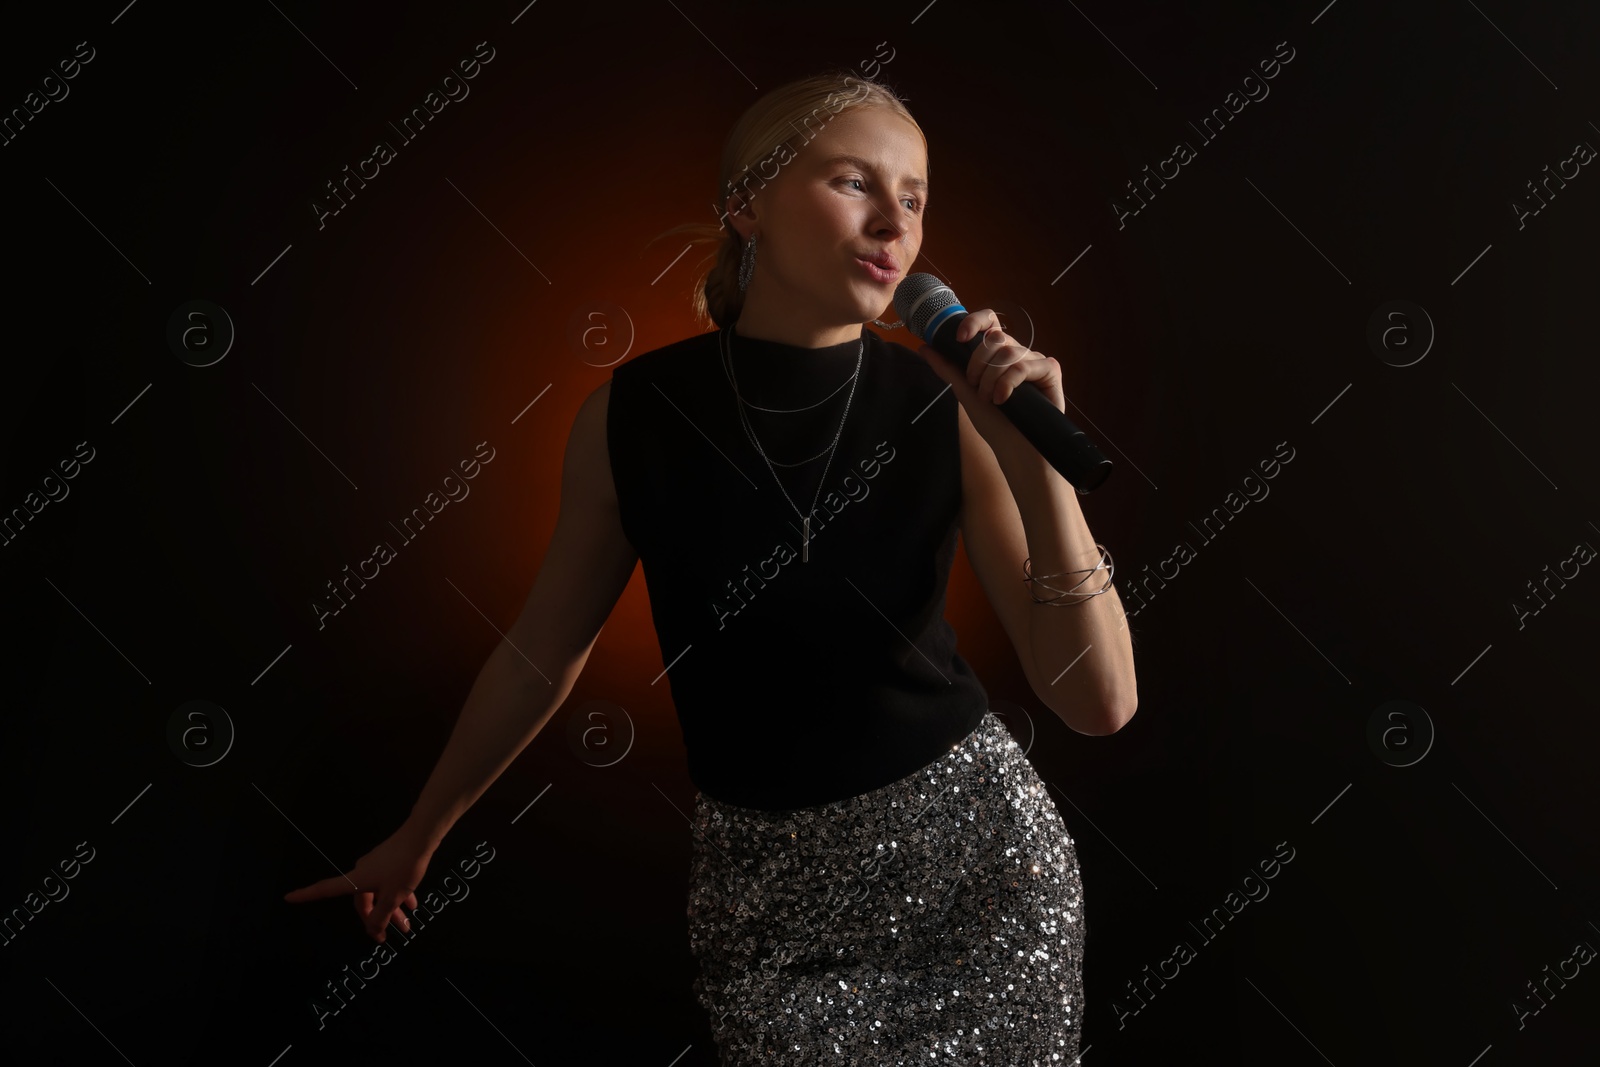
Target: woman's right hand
<point x="381" y="880"/>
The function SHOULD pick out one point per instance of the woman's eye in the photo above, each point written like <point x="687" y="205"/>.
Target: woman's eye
<point x="916" y="205"/>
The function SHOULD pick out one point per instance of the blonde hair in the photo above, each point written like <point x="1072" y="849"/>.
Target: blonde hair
<point x="770" y="133"/>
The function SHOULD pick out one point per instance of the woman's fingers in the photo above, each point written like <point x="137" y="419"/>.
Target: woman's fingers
<point x="389" y="911"/>
<point x="397" y="914"/>
<point x="975" y="323"/>
<point x="994" y="358"/>
<point x="1006" y="383"/>
<point x="984" y="321"/>
<point x="328" y="887"/>
<point x="381" y="887"/>
<point x="999" y="355"/>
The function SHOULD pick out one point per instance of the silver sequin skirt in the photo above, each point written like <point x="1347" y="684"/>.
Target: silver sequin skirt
<point x="936" y="919"/>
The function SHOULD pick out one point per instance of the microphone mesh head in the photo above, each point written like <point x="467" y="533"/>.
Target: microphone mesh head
<point x="918" y="298"/>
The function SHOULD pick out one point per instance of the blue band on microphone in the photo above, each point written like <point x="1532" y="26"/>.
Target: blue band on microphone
<point x="939" y="317"/>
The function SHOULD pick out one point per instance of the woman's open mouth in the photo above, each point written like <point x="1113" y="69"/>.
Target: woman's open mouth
<point x="879" y="274"/>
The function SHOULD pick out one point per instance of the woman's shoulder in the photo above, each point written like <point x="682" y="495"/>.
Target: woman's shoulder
<point x="909" y="369"/>
<point x="669" y="360"/>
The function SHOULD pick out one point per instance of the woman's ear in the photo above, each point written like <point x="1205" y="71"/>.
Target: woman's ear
<point x="740" y="217"/>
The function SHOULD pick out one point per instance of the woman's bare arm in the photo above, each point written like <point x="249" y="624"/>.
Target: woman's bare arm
<point x="528" y="675"/>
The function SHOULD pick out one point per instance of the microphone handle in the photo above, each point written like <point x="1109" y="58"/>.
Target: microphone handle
<point x="1064" y="446"/>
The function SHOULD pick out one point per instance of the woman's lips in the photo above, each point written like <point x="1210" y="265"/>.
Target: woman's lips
<point x="879" y="274"/>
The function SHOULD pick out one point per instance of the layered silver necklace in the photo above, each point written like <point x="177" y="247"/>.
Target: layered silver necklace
<point x="744" y="420"/>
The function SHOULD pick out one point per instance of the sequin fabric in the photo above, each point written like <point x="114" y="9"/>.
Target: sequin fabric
<point x="938" y="919"/>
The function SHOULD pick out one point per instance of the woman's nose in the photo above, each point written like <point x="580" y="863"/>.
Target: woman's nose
<point x="888" y="224"/>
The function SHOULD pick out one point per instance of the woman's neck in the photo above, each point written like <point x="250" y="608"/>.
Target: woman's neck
<point x="785" y="329"/>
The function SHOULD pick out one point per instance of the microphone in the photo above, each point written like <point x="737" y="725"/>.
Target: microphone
<point x="931" y="312"/>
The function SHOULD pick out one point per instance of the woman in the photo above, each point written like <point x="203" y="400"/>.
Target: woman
<point x="878" y="875"/>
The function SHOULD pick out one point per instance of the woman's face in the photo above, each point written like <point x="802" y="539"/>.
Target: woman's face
<point x="821" y="213"/>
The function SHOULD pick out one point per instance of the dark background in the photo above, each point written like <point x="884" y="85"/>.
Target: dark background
<point x="371" y="355"/>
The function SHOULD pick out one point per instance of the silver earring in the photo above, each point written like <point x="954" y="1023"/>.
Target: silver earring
<point x="747" y="263"/>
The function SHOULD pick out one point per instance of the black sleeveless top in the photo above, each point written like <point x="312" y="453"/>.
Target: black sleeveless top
<point x="797" y="682"/>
